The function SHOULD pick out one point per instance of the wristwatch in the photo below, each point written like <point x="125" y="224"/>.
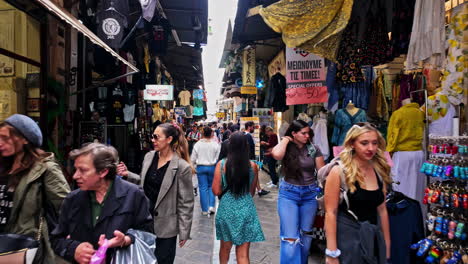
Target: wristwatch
<point x="332" y="253"/>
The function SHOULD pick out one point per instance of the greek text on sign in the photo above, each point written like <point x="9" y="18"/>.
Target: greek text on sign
<point x="305" y="78"/>
<point x="248" y="72"/>
<point x="158" y="92"/>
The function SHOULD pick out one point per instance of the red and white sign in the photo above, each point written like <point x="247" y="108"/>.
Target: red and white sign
<point x="305" y="78"/>
<point x="158" y="92"/>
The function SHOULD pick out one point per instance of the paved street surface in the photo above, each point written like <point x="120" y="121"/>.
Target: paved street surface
<point x="204" y="248"/>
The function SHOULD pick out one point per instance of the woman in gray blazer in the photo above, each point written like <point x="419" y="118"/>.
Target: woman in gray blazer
<point x="166" y="178"/>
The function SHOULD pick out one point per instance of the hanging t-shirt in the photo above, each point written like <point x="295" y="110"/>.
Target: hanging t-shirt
<point x="148" y="7"/>
<point x="343" y="122"/>
<point x="117" y="105"/>
<point x="111" y="27"/>
<point x="198" y="94"/>
<point x="129" y="113"/>
<point x="159" y="31"/>
<point x="6" y="203"/>
<point x="188" y="111"/>
<point x="184" y="97"/>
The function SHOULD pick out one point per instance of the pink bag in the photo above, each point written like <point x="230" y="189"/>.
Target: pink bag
<point x="100" y="256"/>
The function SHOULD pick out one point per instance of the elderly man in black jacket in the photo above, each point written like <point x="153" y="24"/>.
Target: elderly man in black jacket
<point x="104" y="206"/>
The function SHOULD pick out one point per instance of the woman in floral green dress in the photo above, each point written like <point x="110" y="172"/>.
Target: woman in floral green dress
<point x="236" y="219"/>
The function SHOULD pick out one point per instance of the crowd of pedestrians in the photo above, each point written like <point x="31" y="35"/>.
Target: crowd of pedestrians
<point x="109" y="200"/>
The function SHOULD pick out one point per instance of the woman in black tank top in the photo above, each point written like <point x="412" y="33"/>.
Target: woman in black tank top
<point x="358" y="229"/>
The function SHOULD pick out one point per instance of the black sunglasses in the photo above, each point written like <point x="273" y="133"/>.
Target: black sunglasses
<point x="155" y="136"/>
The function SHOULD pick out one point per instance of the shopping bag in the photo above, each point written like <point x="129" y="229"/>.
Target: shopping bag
<point x="141" y="251"/>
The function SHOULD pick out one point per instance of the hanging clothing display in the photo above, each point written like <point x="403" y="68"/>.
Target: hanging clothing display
<point x="197" y="102"/>
<point x="157" y="114"/>
<point x="343" y="122"/>
<point x="405" y="170"/>
<point x="428" y="34"/>
<point x="111" y="25"/>
<point x="454" y="78"/>
<point x="129" y="113"/>
<point x="319" y="127"/>
<point x="359" y="92"/>
<point x="314" y="26"/>
<point x="332" y="87"/>
<point x="184" y="97"/>
<point x="365" y="41"/>
<point x="406" y="228"/>
<point x="402" y="22"/>
<point x="437" y="106"/>
<point x="378" y="106"/>
<point x="406" y="129"/>
<point x="443" y="126"/>
<point x="277" y="93"/>
<point x="189" y="111"/>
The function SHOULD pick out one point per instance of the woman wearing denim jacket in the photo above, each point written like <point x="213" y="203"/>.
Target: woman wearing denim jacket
<point x="297" y="202"/>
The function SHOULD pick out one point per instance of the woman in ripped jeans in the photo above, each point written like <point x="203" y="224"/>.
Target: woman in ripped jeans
<point x="297" y="202"/>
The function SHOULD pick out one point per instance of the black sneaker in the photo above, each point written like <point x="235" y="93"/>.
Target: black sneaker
<point x="263" y="192"/>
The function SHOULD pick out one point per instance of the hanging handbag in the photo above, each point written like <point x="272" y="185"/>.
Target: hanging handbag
<point x="19" y="249"/>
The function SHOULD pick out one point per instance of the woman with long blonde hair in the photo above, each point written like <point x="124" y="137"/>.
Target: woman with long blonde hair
<point x="358" y="228"/>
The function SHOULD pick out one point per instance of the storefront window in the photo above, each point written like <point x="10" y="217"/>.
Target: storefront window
<point x="20" y="56"/>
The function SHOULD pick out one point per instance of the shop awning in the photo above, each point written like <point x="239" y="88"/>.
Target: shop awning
<point x="75" y="23"/>
<point x="189" y="18"/>
<point x="185" y="65"/>
<point x="248" y="28"/>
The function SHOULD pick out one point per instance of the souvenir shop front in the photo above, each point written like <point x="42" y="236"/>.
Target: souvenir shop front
<point x="383" y="64"/>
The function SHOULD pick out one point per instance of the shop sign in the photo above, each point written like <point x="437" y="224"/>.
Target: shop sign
<point x="220" y="115"/>
<point x="248" y="72"/>
<point x="305" y="78"/>
<point x="248" y="90"/>
<point x="278" y="64"/>
<point x="158" y="92"/>
<point x="256" y="134"/>
<point x="180" y="111"/>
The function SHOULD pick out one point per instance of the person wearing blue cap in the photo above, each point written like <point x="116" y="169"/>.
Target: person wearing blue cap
<point x="32" y="185"/>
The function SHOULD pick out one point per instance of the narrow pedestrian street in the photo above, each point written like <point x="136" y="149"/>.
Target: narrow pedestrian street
<point x="204" y="248"/>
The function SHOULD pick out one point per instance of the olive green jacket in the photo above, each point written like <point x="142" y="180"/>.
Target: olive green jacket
<point x="44" y="176"/>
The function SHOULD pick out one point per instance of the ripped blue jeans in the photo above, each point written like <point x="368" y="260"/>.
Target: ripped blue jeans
<point x="297" y="206"/>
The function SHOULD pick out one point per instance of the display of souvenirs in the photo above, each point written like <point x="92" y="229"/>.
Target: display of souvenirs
<point x="447" y="200"/>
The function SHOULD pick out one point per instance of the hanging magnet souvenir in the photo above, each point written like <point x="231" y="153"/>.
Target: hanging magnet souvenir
<point x="435" y="196"/>
<point x="424" y="247"/>
<point x="455" y="202"/>
<point x="452" y="226"/>
<point x="430" y="221"/>
<point x="459" y="230"/>
<point x="438" y="225"/>
<point x="445" y="224"/>
<point x="434" y="254"/>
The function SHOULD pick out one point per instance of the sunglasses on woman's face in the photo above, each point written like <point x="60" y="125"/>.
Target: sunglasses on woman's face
<point x="155" y="136"/>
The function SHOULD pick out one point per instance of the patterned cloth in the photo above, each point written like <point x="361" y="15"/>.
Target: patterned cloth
<point x="454" y="79"/>
<point x="237" y="220"/>
<point x="314" y="26"/>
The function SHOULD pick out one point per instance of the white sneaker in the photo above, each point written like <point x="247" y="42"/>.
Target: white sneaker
<point x="211" y="210"/>
<point x="204" y="213"/>
<point x="273" y="186"/>
<point x="269" y="183"/>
